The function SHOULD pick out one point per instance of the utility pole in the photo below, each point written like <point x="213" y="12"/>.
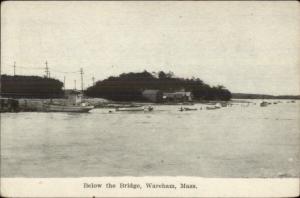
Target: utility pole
<point x="74" y="84"/>
<point x="93" y="79"/>
<point x="47" y="70"/>
<point x="81" y="74"/>
<point x="64" y="83"/>
<point x="14" y="68"/>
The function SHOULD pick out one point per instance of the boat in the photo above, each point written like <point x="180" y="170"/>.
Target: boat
<point x="264" y="104"/>
<point x="212" y="108"/>
<point x="121" y="105"/>
<point x="129" y="109"/>
<point x="68" y="108"/>
<point x="224" y="104"/>
<point x="187" y="109"/>
<point x="149" y="108"/>
<point x="218" y="105"/>
<point x="73" y="104"/>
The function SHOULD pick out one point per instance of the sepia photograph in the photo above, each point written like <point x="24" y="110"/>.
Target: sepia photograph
<point x="140" y="97"/>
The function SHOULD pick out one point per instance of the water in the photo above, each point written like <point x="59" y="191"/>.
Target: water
<point x="237" y="141"/>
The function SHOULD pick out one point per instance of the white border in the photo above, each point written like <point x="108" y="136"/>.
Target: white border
<point x="206" y="187"/>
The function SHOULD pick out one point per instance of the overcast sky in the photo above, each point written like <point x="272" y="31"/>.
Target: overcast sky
<point x="249" y="47"/>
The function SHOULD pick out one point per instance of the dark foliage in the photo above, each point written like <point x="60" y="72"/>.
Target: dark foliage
<point x="30" y="87"/>
<point x="129" y="87"/>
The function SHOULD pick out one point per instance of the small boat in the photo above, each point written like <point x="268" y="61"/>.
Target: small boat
<point x="187" y="109"/>
<point x="129" y="109"/>
<point x="224" y="104"/>
<point x="212" y="108"/>
<point x="218" y="105"/>
<point x="121" y="105"/>
<point x="190" y="109"/>
<point x="68" y="108"/>
<point x="264" y="104"/>
<point x="149" y="108"/>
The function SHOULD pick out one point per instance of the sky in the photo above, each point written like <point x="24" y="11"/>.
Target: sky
<point x="249" y="47"/>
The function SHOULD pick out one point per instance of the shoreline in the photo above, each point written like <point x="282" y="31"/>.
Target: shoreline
<point x="38" y="105"/>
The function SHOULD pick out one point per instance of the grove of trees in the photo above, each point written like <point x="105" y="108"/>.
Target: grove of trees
<point x="129" y="87"/>
<point x="30" y="87"/>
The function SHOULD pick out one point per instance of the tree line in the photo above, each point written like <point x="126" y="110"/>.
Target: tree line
<point x="125" y="87"/>
<point x="30" y="87"/>
<point x="129" y="86"/>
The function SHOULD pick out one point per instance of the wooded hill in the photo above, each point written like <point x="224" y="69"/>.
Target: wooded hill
<point x="30" y="87"/>
<point x="129" y="87"/>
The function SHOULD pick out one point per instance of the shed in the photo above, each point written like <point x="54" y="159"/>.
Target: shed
<point x="153" y="95"/>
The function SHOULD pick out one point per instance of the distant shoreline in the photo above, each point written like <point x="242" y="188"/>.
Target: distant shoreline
<point x="264" y="96"/>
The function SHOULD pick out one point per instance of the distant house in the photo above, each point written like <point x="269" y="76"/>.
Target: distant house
<point x="153" y="95"/>
<point x="180" y="96"/>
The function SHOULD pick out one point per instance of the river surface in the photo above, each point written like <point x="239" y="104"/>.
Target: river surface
<point x="237" y="141"/>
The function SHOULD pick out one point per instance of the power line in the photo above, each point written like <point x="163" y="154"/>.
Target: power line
<point x="46" y="69"/>
<point x="72" y="72"/>
<point x="43" y="68"/>
<point x="22" y="67"/>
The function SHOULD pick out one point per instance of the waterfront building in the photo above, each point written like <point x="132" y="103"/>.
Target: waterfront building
<point x="180" y="96"/>
<point x="153" y="95"/>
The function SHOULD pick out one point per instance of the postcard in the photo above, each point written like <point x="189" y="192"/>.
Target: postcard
<point x="150" y="98"/>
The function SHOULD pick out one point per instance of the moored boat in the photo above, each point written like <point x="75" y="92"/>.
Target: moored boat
<point x="74" y="104"/>
<point x="212" y="108"/>
<point x="129" y="109"/>
<point x="264" y="104"/>
<point x="187" y="109"/>
<point x="68" y="108"/>
<point x="150" y="108"/>
<point x="224" y="104"/>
